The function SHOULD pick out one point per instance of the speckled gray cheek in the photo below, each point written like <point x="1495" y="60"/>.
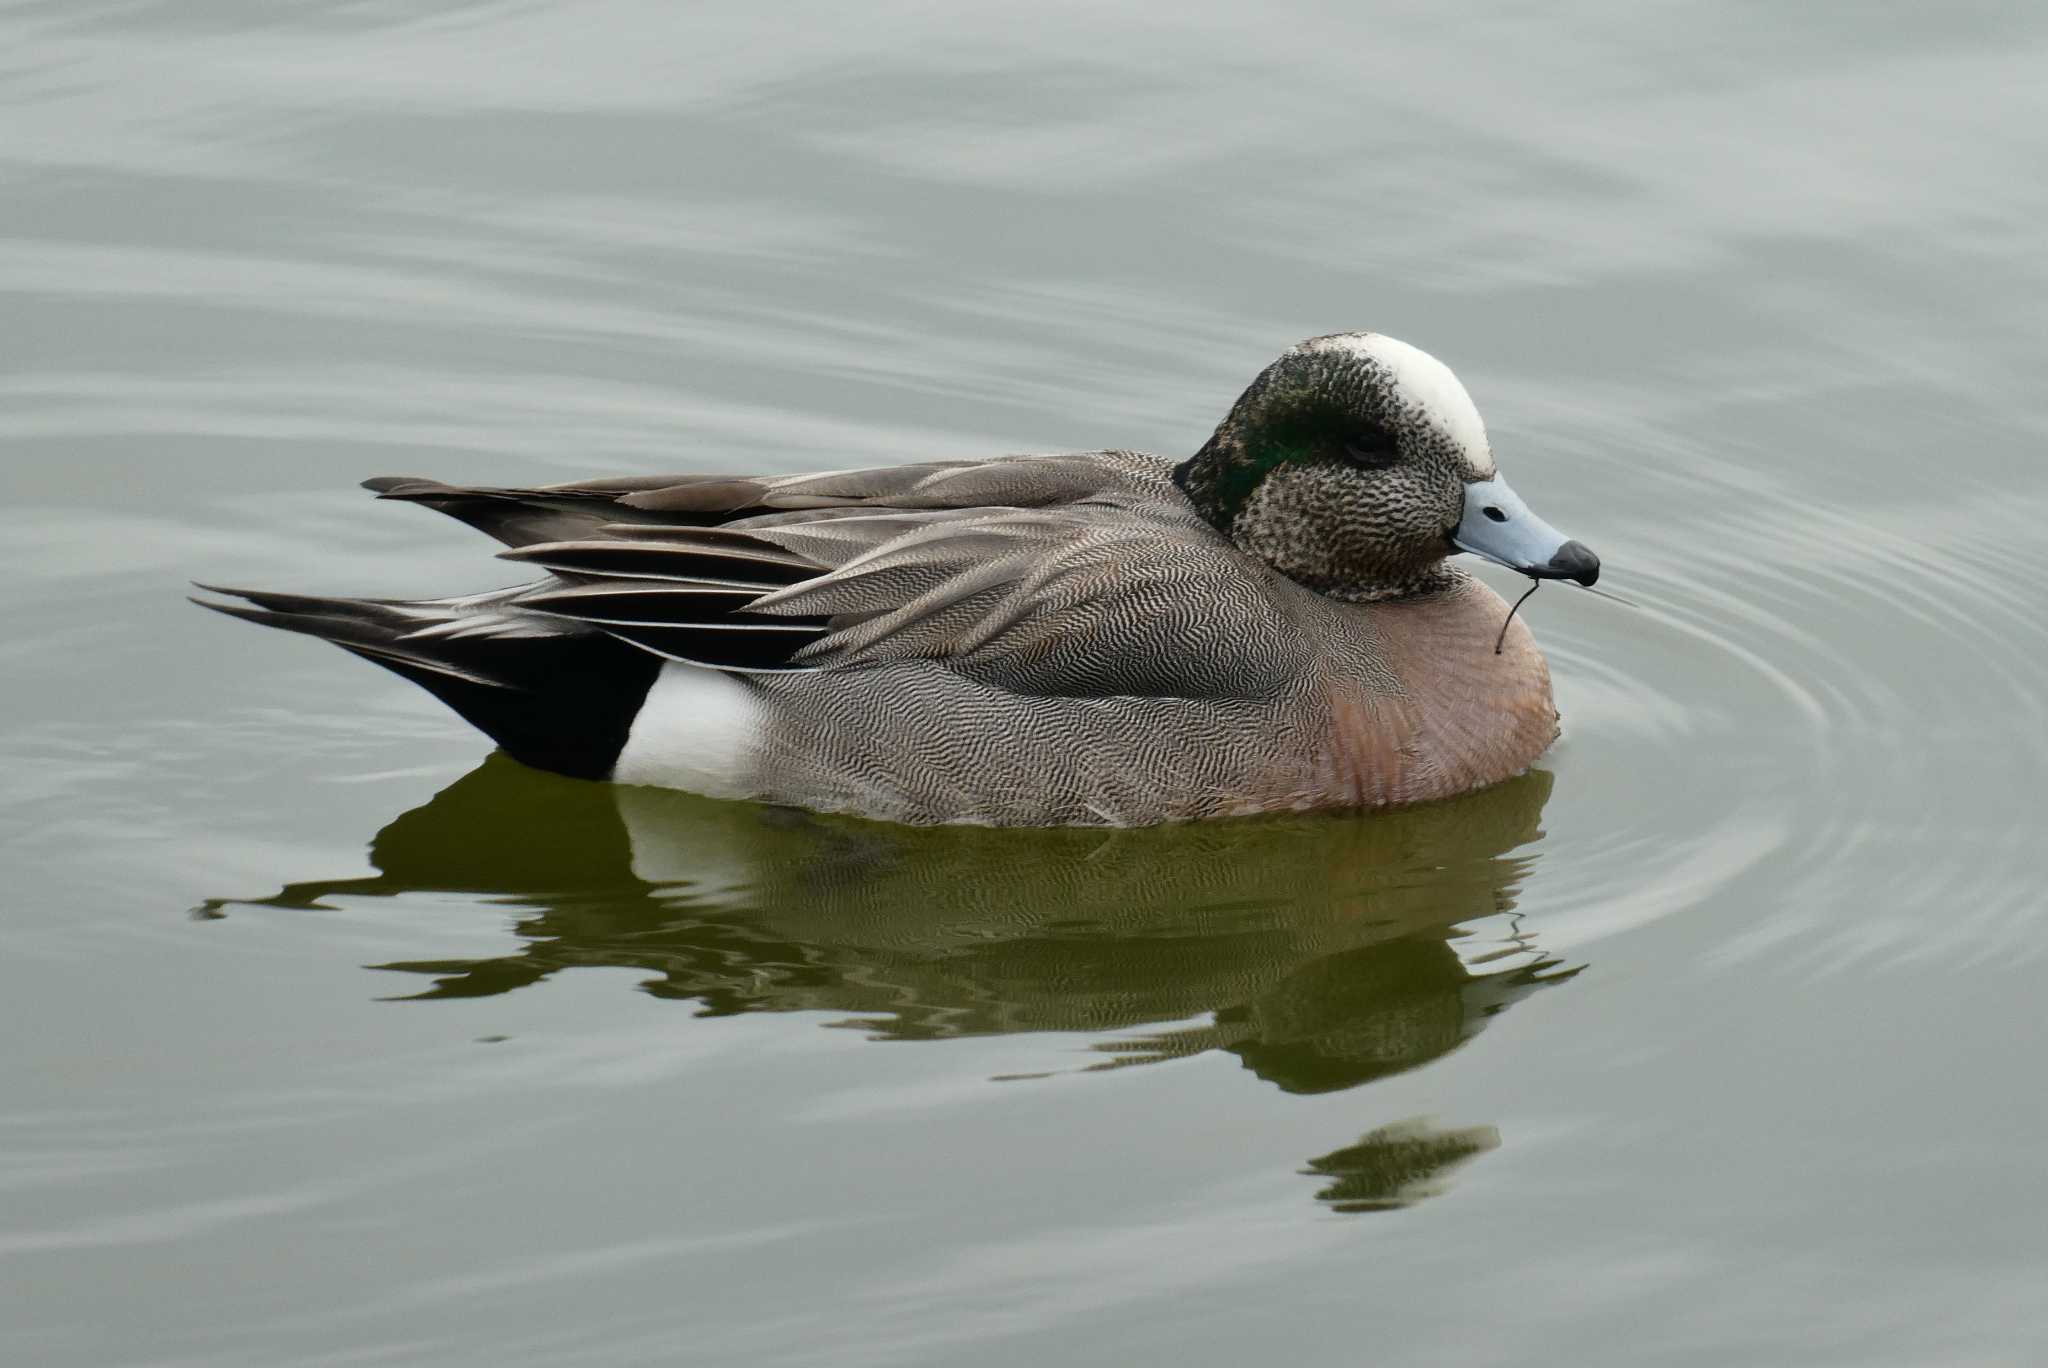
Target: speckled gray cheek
<point x="1326" y="526"/>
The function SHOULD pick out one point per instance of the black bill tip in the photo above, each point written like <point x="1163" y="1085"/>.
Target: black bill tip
<point x="1574" y="561"/>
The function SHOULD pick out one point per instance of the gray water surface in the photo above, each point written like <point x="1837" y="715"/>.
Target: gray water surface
<point x="333" y="1040"/>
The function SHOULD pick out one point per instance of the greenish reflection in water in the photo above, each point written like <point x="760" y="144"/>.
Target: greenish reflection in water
<point x="1325" y="948"/>
<point x="1324" y="951"/>
<point x="1398" y="1165"/>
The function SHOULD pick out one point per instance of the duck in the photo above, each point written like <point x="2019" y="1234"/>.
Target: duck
<point x="1108" y="638"/>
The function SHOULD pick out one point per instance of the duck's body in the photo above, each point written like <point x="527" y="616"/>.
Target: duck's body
<point x="1206" y="685"/>
<point x="1104" y="638"/>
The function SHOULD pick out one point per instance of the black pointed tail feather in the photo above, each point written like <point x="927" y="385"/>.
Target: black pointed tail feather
<point x="557" y="700"/>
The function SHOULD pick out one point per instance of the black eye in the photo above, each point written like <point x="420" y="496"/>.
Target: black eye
<point x="1373" y="448"/>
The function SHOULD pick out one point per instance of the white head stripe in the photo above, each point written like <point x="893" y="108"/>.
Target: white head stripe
<point x="1429" y="384"/>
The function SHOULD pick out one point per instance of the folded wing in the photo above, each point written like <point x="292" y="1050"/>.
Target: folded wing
<point x="1078" y="575"/>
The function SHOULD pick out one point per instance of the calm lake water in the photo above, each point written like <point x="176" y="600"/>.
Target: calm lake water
<point x="332" y="1040"/>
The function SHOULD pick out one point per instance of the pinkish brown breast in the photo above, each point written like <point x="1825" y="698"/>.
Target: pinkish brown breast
<point x="1464" y="718"/>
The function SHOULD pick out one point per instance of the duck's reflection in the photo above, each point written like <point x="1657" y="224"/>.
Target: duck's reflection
<point x="1324" y="951"/>
<point x="1398" y="1165"/>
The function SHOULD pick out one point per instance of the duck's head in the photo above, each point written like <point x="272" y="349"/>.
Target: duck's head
<point x="1356" y="463"/>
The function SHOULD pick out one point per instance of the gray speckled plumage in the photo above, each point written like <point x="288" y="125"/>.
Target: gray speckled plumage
<point x="1102" y="638"/>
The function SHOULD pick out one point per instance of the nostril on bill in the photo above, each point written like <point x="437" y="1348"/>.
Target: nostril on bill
<point x="1494" y="513"/>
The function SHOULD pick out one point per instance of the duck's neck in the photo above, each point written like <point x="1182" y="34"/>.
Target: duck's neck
<point x="1440" y="578"/>
<point x="1283" y="522"/>
<point x="1220" y="478"/>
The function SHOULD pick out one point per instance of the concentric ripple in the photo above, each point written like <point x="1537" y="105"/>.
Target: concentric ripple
<point x="1805" y="687"/>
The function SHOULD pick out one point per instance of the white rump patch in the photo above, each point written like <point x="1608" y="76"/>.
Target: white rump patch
<point x="1430" y="384"/>
<point x="696" y="731"/>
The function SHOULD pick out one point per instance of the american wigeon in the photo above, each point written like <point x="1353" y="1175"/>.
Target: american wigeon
<point x="1097" y="639"/>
